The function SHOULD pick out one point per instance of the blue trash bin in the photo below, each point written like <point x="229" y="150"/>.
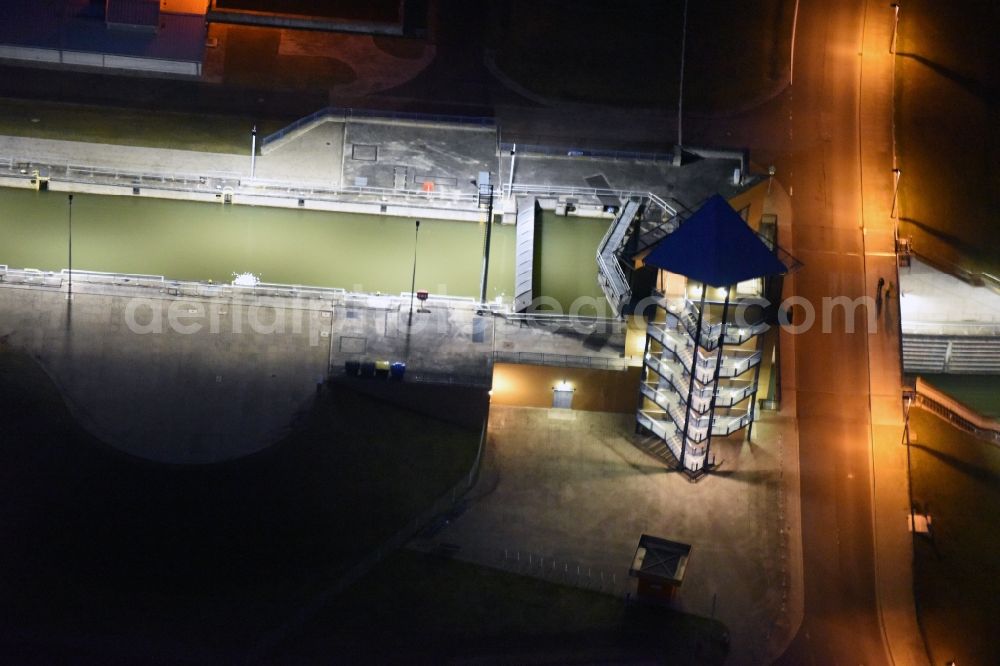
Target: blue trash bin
<point x="397" y="370"/>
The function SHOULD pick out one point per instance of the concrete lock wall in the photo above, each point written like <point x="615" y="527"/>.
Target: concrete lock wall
<point x="593" y="390"/>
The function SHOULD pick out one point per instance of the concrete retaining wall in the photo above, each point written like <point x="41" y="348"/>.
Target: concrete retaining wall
<point x="977" y="421"/>
<point x="951" y="354"/>
<point x="271" y="200"/>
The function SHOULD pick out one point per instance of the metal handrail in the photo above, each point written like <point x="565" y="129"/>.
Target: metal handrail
<point x="660" y="367"/>
<point x="443" y="298"/>
<point x="14" y="162"/>
<point x="83" y="274"/>
<point x="161" y="282"/>
<point x="671" y="343"/>
<point x="217" y="181"/>
<point x="694" y="448"/>
<point x="560" y="360"/>
<point x="546" y="318"/>
<point x="605" y="255"/>
<point x="783" y="255"/>
<point x="955" y="328"/>
<point x="246" y="185"/>
<point x="619" y="274"/>
<point x="596" y="192"/>
<point x="31" y="276"/>
<point x="591" y="152"/>
<point x="347" y="113"/>
<point x="356" y="190"/>
<point x="661" y="230"/>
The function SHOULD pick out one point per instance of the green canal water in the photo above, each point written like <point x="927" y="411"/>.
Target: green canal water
<point x="202" y="241"/>
<point x="978" y="392"/>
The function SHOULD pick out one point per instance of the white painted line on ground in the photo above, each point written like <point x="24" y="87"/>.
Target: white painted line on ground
<point x="791" y="59"/>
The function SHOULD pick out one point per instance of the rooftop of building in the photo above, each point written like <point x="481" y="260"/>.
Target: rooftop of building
<point x="715" y="246"/>
<point x="79" y="25"/>
<point x="935" y="302"/>
<point x="660" y="559"/>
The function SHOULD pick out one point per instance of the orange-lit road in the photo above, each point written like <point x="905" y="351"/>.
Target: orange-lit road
<point x="835" y="157"/>
<point x="830" y="137"/>
<point x="841" y="623"/>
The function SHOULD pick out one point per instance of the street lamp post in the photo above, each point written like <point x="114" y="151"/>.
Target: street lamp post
<point x="253" y="150"/>
<point x="510" y="182"/>
<point x="69" y="294"/>
<point x="413" y="278"/>
<point x="680" y="87"/>
<point x="895" y="25"/>
<point x="896" y="173"/>
<point x="486" y="195"/>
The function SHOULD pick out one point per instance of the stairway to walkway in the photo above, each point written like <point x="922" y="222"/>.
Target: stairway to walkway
<point x="610" y="274"/>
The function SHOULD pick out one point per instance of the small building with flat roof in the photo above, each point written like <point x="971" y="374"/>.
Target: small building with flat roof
<point x="659" y="565"/>
<point x="117" y="35"/>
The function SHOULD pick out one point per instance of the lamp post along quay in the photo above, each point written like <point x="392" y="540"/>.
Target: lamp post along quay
<point x="896" y="173"/>
<point x="680" y="84"/>
<point x="69" y="198"/>
<point x="895" y="27"/>
<point x="413" y="278"/>
<point x="485" y="200"/>
<point x="253" y="150"/>
<point x="510" y="181"/>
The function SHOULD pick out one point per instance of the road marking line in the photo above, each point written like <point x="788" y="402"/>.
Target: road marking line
<point x="791" y="59"/>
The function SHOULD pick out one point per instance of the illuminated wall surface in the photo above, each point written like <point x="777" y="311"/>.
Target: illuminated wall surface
<point x="201" y="241"/>
<point x="184" y="6"/>
<point x="593" y="390"/>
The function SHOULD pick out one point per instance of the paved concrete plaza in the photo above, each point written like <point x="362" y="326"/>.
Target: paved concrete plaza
<point x="234" y="385"/>
<point x="398" y="156"/>
<point x="564" y="495"/>
<point x="169" y="396"/>
<point x="126" y="158"/>
<point x="395" y="155"/>
<point x="313" y="158"/>
<point x="691" y="184"/>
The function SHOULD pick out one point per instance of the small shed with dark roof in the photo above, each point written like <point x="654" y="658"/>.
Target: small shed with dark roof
<point x="659" y="565"/>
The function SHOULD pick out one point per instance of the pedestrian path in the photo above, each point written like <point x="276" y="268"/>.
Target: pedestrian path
<point x="565" y="495"/>
<point x="890" y="500"/>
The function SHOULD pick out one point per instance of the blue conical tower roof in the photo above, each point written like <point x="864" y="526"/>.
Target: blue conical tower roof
<point x="716" y="247"/>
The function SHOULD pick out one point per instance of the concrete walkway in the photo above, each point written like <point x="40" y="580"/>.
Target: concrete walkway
<point x="316" y="157"/>
<point x="126" y="158"/>
<point x="890" y="478"/>
<point x="401" y="157"/>
<point x="565" y="495"/>
<point x="186" y="372"/>
<point x="312" y="158"/>
<point x="169" y="395"/>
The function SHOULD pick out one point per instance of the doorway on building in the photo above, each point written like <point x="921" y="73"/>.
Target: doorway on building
<point x="562" y="398"/>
